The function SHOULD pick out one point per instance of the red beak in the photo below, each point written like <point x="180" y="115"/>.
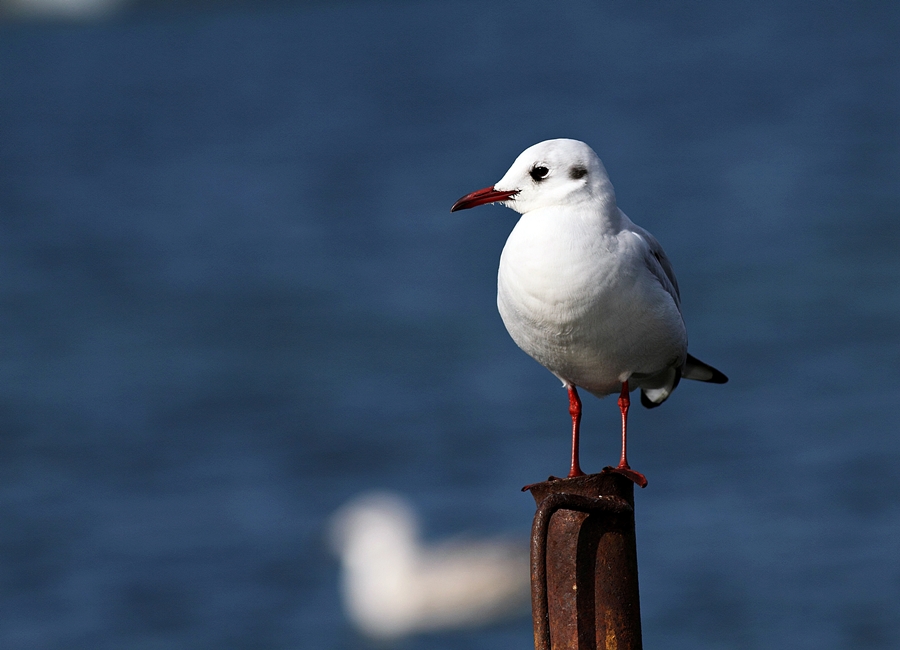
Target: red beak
<point x="480" y="197"/>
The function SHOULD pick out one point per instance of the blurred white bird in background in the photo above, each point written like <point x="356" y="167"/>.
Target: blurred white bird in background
<point x="393" y="585"/>
<point x="61" y="9"/>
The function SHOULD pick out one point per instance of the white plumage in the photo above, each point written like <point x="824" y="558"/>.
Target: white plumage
<point x="582" y="289"/>
<point x="394" y="585"/>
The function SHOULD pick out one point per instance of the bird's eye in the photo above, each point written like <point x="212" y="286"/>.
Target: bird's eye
<point x="539" y="172"/>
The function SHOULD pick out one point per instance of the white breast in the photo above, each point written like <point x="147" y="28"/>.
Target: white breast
<point x="583" y="302"/>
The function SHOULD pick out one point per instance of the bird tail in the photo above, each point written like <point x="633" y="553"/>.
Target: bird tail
<point x="694" y="369"/>
<point x="653" y="397"/>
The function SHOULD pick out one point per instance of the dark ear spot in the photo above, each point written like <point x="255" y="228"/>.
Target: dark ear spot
<point x="577" y="172"/>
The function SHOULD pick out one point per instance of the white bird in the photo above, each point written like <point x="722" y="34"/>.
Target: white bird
<point x="393" y="585"/>
<point x="583" y="290"/>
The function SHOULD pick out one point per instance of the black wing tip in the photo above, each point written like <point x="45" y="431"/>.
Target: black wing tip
<point x="716" y="376"/>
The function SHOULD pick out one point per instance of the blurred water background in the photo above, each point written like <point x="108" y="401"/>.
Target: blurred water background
<point x="232" y="297"/>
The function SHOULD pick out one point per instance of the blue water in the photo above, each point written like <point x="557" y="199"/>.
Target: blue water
<point x="232" y="297"/>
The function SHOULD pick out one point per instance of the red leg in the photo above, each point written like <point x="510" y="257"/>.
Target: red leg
<point x="624" y="468"/>
<point x="575" y="412"/>
<point x="624" y="403"/>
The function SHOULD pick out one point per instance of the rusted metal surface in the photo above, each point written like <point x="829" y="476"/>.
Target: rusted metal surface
<point x="584" y="582"/>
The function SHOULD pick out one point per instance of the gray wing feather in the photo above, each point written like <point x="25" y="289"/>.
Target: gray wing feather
<point x="659" y="264"/>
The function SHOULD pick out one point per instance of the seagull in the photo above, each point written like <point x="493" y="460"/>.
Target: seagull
<point x="395" y="585"/>
<point x="584" y="291"/>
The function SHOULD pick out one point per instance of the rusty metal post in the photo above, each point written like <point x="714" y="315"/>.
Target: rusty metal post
<point x="584" y="583"/>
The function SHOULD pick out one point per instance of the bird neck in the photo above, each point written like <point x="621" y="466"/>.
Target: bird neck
<point x="602" y="215"/>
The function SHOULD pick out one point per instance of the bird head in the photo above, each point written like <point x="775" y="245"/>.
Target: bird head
<point x="553" y="173"/>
